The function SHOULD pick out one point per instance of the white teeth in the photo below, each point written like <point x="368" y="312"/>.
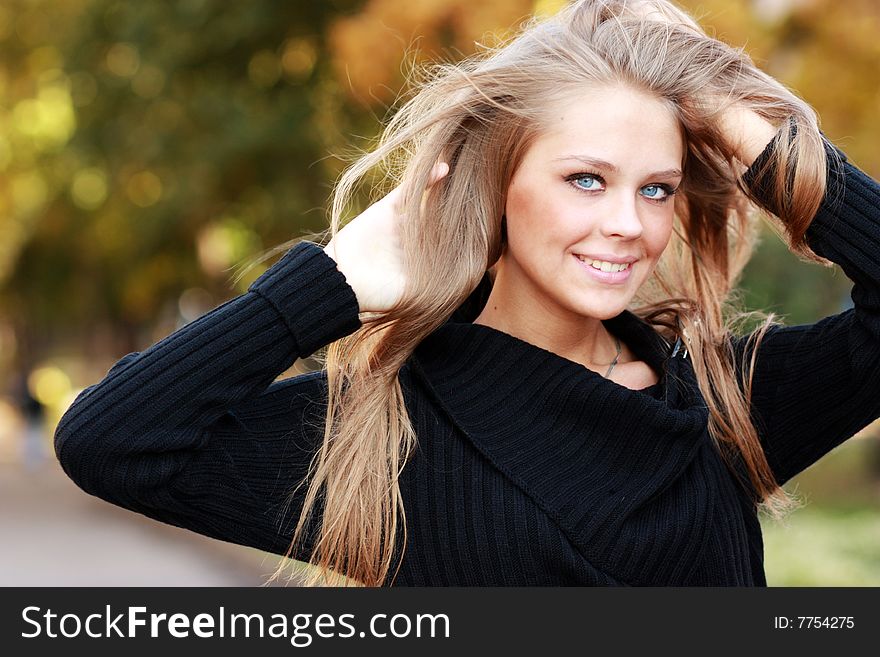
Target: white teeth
<point x="605" y="265"/>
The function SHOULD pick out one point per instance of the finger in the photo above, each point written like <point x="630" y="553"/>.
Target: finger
<point x="437" y="172"/>
<point x="395" y="196"/>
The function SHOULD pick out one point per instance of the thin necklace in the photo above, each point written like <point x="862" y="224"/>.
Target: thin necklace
<point x="614" y="362"/>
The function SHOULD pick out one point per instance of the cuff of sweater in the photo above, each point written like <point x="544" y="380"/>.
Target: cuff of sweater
<point x="311" y="295"/>
<point x="848" y="220"/>
<point x="758" y="180"/>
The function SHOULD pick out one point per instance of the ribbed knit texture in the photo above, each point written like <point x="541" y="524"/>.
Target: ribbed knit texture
<point x="530" y="468"/>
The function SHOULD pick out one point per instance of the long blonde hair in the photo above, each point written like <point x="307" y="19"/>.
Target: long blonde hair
<point x="480" y="115"/>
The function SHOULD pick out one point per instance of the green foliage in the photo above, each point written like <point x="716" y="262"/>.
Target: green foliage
<point x="822" y="547"/>
<point x="832" y="539"/>
<point x="147" y="147"/>
<point x="162" y="121"/>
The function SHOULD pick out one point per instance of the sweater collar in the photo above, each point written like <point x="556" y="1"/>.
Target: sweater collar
<point x="476" y="368"/>
<point x="588" y="450"/>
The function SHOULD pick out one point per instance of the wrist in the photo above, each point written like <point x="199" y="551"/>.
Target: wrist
<point x="747" y="133"/>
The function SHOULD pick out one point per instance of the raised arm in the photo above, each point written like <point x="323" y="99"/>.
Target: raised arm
<point x="816" y="385"/>
<point x="193" y="432"/>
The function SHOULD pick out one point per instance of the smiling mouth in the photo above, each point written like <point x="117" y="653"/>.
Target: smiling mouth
<point x="604" y="265"/>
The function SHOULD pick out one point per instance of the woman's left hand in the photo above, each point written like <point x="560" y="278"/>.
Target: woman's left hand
<point x="746" y="132"/>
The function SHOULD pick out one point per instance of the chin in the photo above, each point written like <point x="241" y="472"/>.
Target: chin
<point x="608" y="314"/>
<point x="602" y="312"/>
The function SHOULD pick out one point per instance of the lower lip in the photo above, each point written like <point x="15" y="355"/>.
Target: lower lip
<point x="611" y="277"/>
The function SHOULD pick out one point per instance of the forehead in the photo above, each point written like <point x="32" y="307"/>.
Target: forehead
<point x="619" y="124"/>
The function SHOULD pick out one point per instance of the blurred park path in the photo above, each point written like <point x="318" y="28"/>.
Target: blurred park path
<point x="54" y="534"/>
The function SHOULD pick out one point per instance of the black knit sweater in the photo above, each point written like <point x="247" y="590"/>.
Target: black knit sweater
<point x="530" y="468"/>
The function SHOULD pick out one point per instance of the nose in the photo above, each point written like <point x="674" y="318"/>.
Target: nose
<point x="621" y="218"/>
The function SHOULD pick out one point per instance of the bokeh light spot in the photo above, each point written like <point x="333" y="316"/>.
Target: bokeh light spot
<point x="48" y="119"/>
<point x="49" y="385"/>
<point x="264" y="69"/>
<point x="298" y="58"/>
<point x="194" y="302"/>
<point x="144" y="189"/>
<point x="123" y="60"/>
<point x="89" y="188"/>
<point x="224" y="243"/>
<point x="148" y="82"/>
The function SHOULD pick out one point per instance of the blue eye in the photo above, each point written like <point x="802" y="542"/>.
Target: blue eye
<point x="585" y="177"/>
<point x="592" y="182"/>
<point x="659" y="193"/>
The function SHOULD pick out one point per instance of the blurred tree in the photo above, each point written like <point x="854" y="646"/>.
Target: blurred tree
<point x="146" y="147"/>
<point x="149" y="146"/>
<point x="154" y="144"/>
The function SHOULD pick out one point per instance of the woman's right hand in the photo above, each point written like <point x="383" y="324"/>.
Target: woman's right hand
<point x="368" y="253"/>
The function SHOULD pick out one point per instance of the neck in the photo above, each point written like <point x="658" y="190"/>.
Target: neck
<point x="578" y="338"/>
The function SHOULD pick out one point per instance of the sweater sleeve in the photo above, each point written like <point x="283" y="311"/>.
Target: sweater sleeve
<point x="193" y="432"/>
<point x="816" y="385"/>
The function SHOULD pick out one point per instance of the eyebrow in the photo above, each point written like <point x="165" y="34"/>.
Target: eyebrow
<point x="607" y="166"/>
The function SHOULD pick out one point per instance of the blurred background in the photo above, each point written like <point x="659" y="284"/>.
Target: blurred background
<point x="146" y="148"/>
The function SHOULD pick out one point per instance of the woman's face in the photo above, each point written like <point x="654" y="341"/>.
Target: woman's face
<point x="593" y="192"/>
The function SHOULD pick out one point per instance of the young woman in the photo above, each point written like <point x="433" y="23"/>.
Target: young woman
<point x="531" y="375"/>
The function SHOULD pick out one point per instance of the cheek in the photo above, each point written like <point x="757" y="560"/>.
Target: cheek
<point x="527" y="215"/>
<point x="537" y="216"/>
<point x="658" y="237"/>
